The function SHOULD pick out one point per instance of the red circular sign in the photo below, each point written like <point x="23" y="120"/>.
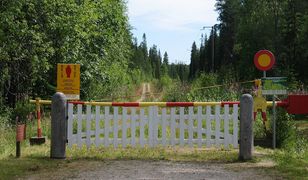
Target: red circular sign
<point x="264" y="60"/>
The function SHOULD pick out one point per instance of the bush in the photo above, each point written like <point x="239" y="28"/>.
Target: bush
<point x="7" y="137"/>
<point x="21" y="112"/>
<point x="205" y="88"/>
<point x="286" y="132"/>
<point x="165" y="82"/>
<point x="285" y="128"/>
<point x="259" y="129"/>
<point x="5" y="119"/>
<point x="177" y="92"/>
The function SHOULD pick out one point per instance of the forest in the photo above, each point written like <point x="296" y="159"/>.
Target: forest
<point x="36" y="35"/>
<point x="248" y="26"/>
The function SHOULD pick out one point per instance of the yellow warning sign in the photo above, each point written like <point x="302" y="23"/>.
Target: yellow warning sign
<point x="68" y="80"/>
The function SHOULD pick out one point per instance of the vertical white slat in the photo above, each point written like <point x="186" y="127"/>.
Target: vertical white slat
<point x="142" y="124"/>
<point x="97" y="128"/>
<point x="88" y="126"/>
<point x="235" y="126"/>
<point x="172" y="126"/>
<point x="217" y="125"/>
<point x="155" y="125"/>
<point x="106" y="126"/>
<point x="199" y="127"/>
<point x="124" y="127"/>
<point x="226" y="127"/>
<point x="190" y="126"/>
<point x="79" y="125"/>
<point x="70" y="125"/>
<point x="164" y="125"/>
<point x="133" y="127"/>
<point x="150" y="130"/>
<point x="208" y="127"/>
<point x="115" y="126"/>
<point x="181" y="126"/>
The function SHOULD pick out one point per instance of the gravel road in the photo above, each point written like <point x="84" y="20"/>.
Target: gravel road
<point x="136" y="169"/>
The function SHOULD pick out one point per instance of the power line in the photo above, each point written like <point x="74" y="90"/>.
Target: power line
<point x="214" y="86"/>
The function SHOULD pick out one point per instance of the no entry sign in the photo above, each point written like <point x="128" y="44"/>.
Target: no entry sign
<point x="68" y="80"/>
<point x="264" y="60"/>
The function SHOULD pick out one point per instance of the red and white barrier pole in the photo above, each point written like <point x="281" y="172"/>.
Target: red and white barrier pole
<point x="39" y="139"/>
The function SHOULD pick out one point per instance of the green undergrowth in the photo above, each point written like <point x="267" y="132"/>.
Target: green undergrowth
<point x="32" y="160"/>
<point x="295" y="166"/>
<point x="36" y="159"/>
<point x="158" y="153"/>
<point x="292" y="158"/>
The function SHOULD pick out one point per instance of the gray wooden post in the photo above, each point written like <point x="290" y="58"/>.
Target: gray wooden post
<point x="246" y="127"/>
<point x="58" y="126"/>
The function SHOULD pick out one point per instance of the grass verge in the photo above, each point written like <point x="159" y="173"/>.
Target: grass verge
<point x="35" y="159"/>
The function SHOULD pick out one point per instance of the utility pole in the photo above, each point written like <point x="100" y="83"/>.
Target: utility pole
<point x="213" y="47"/>
<point x="213" y="43"/>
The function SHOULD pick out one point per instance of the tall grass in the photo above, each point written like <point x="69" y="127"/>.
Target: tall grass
<point x="7" y="136"/>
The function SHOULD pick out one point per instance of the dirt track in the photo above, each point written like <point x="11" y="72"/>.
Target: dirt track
<point x="136" y="169"/>
<point x="145" y="92"/>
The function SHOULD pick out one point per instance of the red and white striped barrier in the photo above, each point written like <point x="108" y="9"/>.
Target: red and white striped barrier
<point x="160" y="104"/>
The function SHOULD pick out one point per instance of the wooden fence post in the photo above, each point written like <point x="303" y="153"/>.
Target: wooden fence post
<point x="58" y="126"/>
<point x="246" y="127"/>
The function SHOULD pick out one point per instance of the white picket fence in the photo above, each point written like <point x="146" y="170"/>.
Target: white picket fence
<point x="205" y="126"/>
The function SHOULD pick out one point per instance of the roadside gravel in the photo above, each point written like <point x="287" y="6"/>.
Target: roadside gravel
<point x="137" y="169"/>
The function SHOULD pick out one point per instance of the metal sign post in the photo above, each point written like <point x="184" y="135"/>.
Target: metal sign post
<point x="274" y="86"/>
<point x="274" y="122"/>
<point x="264" y="61"/>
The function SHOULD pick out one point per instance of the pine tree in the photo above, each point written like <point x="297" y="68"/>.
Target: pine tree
<point x="146" y="64"/>
<point x="154" y="59"/>
<point x="143" y="46"/>
<point x="203" y="63"/>
<point x="166" y="58"/>
<point x="164" y="67"/>
<point x="194" y="61"/>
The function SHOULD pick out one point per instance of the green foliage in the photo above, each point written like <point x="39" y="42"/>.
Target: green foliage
<point x="7" y="139"/>
<point x="293" y="158"/>
<point x="177" y="92"/>
<point x="36" y="35"/>
<point x="5" y="117"/>
<point x="259" y="131"/>
<point x="204" y="88"/>
<point x="166" y="81"/>
<point x="285" y="128"/>
<point x="116" y="83"/>
<point x="286" y="132"/>
<point x="179" y="71"/>
<point x="194" y="59"/>
<point x="21" y="112"/>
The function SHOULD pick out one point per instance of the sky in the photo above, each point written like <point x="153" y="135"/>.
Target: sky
<point x="172" y="25"/>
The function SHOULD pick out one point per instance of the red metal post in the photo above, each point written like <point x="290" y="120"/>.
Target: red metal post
<point x="38" y="111"/>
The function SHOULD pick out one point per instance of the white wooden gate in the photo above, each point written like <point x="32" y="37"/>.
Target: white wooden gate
<point x="152" y="124"/>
